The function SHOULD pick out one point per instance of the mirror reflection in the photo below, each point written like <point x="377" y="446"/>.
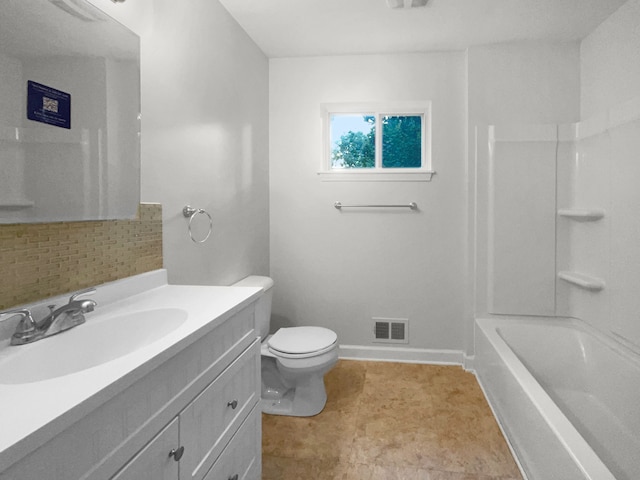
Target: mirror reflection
<point x="69" y="113"/>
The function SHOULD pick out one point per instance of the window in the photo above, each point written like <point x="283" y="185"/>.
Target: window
<point x="377" y="141"/>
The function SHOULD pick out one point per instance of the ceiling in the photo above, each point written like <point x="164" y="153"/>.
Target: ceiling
<point x="292" y="28"/>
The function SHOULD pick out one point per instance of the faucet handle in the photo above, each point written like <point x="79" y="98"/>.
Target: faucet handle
<point x="23" y="312"/>
<point x="27" y="327"/>
<point x="82" y="292"/>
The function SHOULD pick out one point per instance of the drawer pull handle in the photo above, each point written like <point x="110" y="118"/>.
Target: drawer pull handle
<point x="234" y="477"/>
<point x="176" y="453"/>
<point x="233" y="405"/>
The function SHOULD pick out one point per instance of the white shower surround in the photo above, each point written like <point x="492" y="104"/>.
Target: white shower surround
<point x="565" y="390"/>
<point x="562" y="223"/>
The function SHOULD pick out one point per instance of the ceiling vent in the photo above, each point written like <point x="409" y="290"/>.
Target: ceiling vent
<point x="406" y="3"/>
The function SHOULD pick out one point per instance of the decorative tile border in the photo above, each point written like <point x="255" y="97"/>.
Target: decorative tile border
<point x="41" y="260"/>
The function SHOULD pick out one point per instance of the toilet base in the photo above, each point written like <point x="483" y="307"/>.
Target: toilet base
<point x="297" y="392"/>
<point x="305" y="400"/>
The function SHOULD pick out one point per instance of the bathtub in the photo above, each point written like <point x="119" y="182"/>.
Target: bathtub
<point x="566" y="397"/>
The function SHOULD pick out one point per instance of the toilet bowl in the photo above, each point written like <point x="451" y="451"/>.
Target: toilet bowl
<point x="294" y="360"/>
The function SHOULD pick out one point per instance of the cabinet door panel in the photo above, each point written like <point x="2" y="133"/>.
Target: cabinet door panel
<point x="242" y="457"/>
<point x="209" y="422"/>
<point x="153" y="462"/>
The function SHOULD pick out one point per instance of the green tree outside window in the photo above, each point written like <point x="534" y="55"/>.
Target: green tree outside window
<point x="401" y="144"/>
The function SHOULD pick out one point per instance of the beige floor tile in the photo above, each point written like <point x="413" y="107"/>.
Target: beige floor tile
<point x="439" y="475"/>
<point x="321" y="437"/>
<point x="392" y="421"/>
<point x="377" y="472"/>
<point x="282" y="468"/>
<point x="344" y="385"/>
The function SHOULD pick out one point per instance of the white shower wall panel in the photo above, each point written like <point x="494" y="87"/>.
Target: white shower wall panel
<point x="604" y="176"/>
<point x="522" y="205"/>
<point x="610" y="87"/>
<point x="625" y="231"/>
<point x="589" y="252"/>
<point x="564" y="200"/>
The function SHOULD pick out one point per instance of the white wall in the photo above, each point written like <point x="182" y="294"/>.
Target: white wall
<point x="525" y="83"/>
<point x="340" y="269"/>
<point x="205" y="139"/>
<point x="610" y="61"/>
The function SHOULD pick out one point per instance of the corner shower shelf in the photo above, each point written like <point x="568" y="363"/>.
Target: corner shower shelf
<point x="583" y="214"/>
<point x="581" y="280"/>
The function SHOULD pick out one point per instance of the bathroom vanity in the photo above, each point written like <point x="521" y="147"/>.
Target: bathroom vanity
<point x="184" y="405"/>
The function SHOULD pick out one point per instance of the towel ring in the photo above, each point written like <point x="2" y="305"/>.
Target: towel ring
<point x="190" y="212"/>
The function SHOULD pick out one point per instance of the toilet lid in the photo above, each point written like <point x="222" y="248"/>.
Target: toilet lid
<point x="301" y="340"/>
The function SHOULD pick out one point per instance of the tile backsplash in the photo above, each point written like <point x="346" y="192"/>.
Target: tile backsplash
<point x="41" y="260"/>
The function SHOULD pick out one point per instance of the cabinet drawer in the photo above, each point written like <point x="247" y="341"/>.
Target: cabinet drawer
<point x="209" y="422"/>
<point x="242" y="457"/>
<point x="153" y="462"/>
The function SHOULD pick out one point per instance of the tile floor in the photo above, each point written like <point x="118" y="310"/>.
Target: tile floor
<point x="391" y="421"/>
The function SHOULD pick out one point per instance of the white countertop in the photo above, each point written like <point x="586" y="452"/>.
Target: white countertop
<point x="33" y="413"/>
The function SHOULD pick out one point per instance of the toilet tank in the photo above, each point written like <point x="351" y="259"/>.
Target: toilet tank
<point x="263" y="305"/>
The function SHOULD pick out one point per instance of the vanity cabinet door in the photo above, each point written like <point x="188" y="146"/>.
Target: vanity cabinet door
<point x="153" y="462"/>
<point x="211" y="419"/>
<point x="241" y="460"/>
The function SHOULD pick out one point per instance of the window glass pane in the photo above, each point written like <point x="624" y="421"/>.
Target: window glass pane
<point x="353" y="140"/>
<point x="401" y="141"/>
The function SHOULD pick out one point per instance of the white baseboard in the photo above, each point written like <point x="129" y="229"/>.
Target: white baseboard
<point x="399" y="354"/>
<point x="469" y="363"/>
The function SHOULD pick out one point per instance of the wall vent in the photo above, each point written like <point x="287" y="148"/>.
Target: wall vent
<point x="390" y="330"/>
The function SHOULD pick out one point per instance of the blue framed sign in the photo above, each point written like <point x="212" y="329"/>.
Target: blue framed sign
<point x="48" y="105"/>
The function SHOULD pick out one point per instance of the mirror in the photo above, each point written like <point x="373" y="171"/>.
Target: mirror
<point x="69" y="113"/>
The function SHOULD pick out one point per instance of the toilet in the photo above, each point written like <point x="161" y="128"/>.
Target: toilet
<point x="294" y="360"/>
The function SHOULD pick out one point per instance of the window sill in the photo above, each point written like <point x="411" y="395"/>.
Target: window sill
<point x="354" y="176"/>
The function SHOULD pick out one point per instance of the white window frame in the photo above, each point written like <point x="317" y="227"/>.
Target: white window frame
<point x="422" y="174"/>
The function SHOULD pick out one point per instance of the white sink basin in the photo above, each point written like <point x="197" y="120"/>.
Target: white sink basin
<point x="99" y="340"/>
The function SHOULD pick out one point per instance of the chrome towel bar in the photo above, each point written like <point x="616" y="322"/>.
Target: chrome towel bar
<point x="412" y="206"/>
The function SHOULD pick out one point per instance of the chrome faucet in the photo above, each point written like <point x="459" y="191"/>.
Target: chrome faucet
<point x="58" y="319"/>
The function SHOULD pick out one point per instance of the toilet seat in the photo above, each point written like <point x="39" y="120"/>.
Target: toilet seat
<point x="302" y="342"/>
